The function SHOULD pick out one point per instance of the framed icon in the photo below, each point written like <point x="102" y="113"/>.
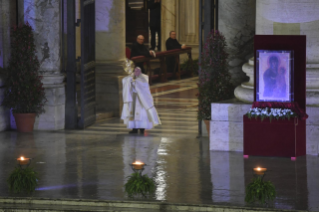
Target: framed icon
<point x="274" y="76"/>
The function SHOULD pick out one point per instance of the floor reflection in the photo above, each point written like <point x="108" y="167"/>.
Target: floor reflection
<point x="95" y="166"/>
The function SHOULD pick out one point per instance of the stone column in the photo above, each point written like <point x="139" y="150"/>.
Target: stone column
<point x="7" y="20"/>
<point x="236" y="21"/>
<point x="245" y="91"/>
<point x="279" y="17"/>
<point x="45" y="18"/>
<point x="168" y="19"/>
<point x="110" y="54"/>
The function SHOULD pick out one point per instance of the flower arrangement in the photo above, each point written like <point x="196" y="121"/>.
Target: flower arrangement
<point x="271" y="113"/>
<point x="24" y="91"/>
<point x="214" y="79"/>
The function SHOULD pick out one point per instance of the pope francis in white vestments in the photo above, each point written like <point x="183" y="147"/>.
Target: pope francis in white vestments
<point x="138" y="107"/>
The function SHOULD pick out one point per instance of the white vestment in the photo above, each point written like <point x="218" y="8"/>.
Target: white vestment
<point x="138" y="107"/>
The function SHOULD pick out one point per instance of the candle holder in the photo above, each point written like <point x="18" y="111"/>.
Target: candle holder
<point x="24" y="161"/>
<point x="138" y="167"/>
<point x="260" y="171"/>
<point x="258" y="189"/>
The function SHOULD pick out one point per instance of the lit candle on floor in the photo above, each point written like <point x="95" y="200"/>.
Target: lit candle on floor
<point x="138" y="165"/>
<point x="260" y="171"/>
<point x="23" y="161"/>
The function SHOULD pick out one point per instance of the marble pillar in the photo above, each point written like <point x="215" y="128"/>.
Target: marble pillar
<point x="236" y="21"/>
<point x="7" y="20"/>
<point x="110" y="54"/>
<point x="245" y="91"/>
<point x="168" y="19"/>
<point x="45" y="18"/>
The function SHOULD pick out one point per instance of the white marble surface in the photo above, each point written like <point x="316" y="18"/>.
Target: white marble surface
<point x="244" y="94"/>
<point x="236" y="21"/>
<point x="245" y="91"/>
<point x="292" y="11"/>
<point x="45" y="18"/>
<point x="229" y="111"/>
<point x="110" y="30"/>
<point x="226" y="127"/>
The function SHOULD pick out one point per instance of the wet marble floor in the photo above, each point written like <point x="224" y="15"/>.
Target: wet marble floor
<point x="94" y="163"/>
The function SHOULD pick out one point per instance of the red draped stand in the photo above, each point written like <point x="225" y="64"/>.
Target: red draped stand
<point x="280" y="138"/>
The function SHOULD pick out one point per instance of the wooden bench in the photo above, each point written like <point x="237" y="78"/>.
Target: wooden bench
<point x="162" y="56"/>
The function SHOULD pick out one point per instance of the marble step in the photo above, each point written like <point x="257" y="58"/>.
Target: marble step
<point x="164" y="124"/>
<point x="153" y="130"/>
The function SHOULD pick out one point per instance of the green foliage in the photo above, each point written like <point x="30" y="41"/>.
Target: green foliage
<point x="190" y="66"/>
<point x="22" y="180"/>
<point x="24" y="91"/>
<point x="139" y="184"/>
<point x="214" y="78"/>
<point x="260" y="190"/>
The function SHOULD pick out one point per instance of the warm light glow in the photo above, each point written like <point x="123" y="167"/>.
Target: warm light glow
<point x="138" y="163"/>
<point x="260" y="170"/>
<point x="21" y="158"/>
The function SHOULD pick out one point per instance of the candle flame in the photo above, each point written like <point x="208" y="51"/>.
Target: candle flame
<point x="138" y="163"/>
<point x="21" y="158"/>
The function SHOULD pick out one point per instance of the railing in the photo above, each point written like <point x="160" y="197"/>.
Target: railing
<point x="162" y="56"/>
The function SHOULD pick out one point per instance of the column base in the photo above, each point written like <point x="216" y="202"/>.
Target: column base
<point x="109" y="87"/>
<point x="54" y="116"/>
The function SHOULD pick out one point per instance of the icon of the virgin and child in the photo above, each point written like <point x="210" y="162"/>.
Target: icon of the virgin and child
<point x="275" y="79"/>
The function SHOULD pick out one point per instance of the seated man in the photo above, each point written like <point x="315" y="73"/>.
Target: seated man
<point x="139" y="49"/>
<point x="172" y="43"/>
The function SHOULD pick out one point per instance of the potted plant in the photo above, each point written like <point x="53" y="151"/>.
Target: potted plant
<point x="214" y="78"/>
<point x="190" y="66"/>
<point x="22" y="180"/>
<point x="139" y="184"/>
<point x="24" y="92"/>
<point x="260" y="190"/>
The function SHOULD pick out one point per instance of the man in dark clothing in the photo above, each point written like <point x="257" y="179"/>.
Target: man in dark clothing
<point x="139" y="49"/>
<point x="155" y="23"/>
<point x="172" y="43"/>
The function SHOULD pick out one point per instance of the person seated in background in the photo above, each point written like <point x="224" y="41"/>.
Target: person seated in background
<point x="172" y="43"/>
<point x="139" y="49"/>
